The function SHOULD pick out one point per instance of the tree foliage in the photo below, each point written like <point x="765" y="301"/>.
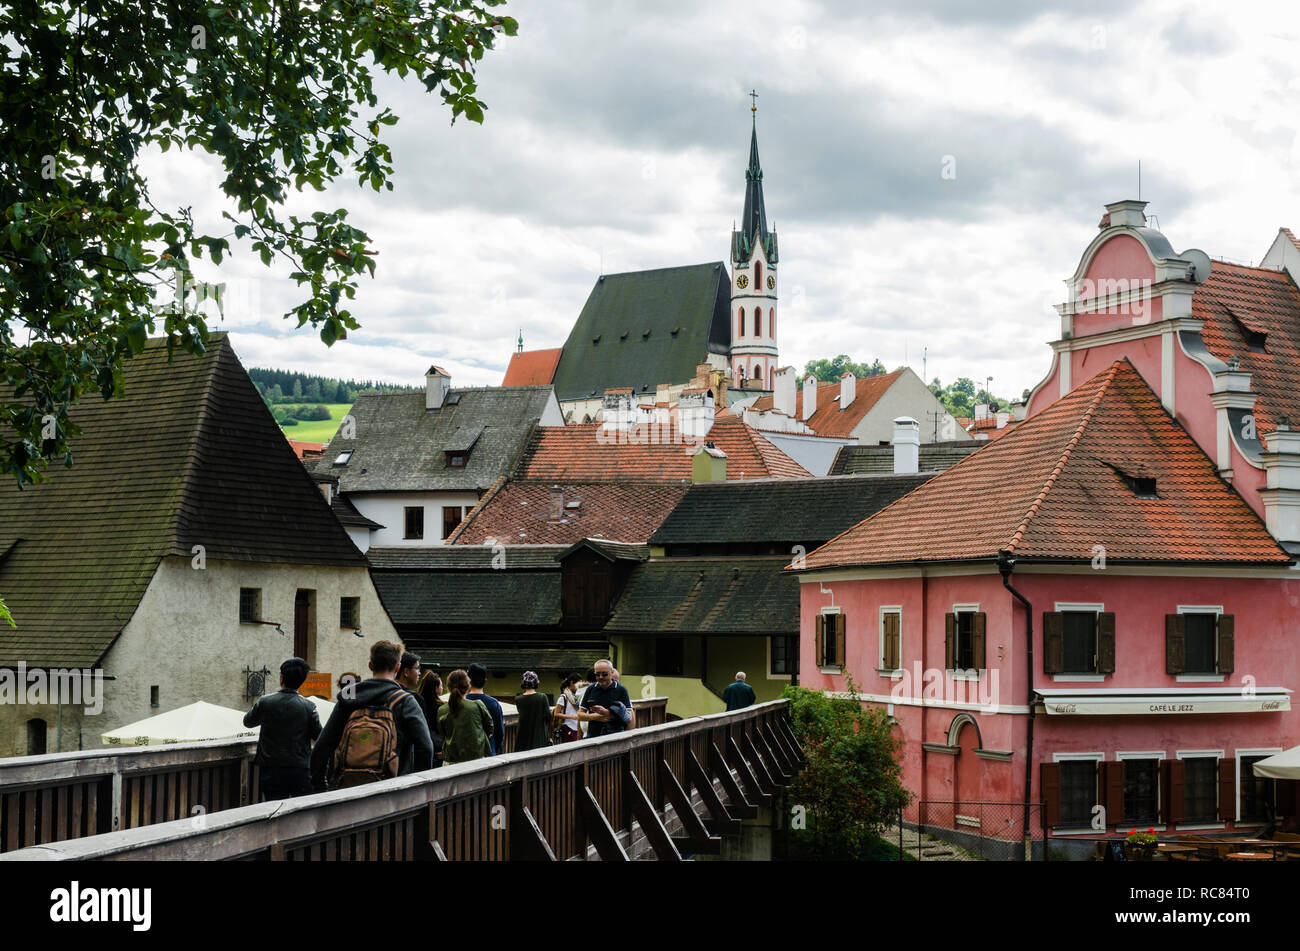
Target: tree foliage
<point x="279" y="91"/>
<point x="960" y="398"/>
<point x="852" y="786"/>
<point x="830" y="371"/>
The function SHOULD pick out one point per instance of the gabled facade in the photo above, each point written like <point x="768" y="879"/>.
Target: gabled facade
<point x="183" y="557"/>
<point x="1219" y="342"/>
<point x="1082" y="614"/>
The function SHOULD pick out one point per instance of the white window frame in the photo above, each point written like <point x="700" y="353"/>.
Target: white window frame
<point x="768" y="649"/>
<point x="959" y="673"/>
<point x="1217" y="611"/>
<point x="880" y="659"/>
<point x="1075" y="758"/>
<point x="1061" y="607"/>
<point x="1240" y="753"/>
<point x="1201" y="754"/>
<point x="840" y="669"/>
<point x="1149" y="754"/>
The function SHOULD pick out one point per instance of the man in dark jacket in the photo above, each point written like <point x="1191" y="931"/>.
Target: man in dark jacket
<point x="609" y="701"/>
<point x="739" y="694"/>
<point x="477" y="680"/>
<point x="412" y="731"/>
<point x="408" y="675"/>
<point x="289" y="725"/>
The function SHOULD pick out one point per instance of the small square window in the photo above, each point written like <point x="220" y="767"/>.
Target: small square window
<point x="343" y="457"/>
<point x="350" y="613"/>
<point x="457" y="460"/>
<point x="415" y="521"/>
<point x="250" y="605"/>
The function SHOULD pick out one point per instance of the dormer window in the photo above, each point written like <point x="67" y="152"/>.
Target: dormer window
<point x="1144" y="487"/>
<point x="457" y="460"/>
<point x="343" y="457"/>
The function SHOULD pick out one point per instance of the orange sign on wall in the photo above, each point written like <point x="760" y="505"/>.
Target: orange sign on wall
<point x="317" y="685"/>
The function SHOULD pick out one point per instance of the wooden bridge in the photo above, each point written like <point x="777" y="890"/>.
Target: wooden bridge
<point x="662" y="791"/>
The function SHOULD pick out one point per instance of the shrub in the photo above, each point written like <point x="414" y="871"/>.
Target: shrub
<point x="852" y="785"/>
<point x="310" y="412"/>
<point x="288" y="421"/>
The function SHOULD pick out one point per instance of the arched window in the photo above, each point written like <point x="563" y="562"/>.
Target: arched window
<point x="740" y="322"/>
<point x="758" y="372"/>
<point x="758" y="321"/>
<point x="37" y="733"/>
<point x="758" y="276"/>
<point x="771" y="322"/>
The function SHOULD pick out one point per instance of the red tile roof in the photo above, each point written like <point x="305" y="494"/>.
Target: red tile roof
<point x="1237" y="302"/>
<point x="829" y="419"/>
<point x="581" y="453"/>
<point x="527" y="513"/>
<point x="1055" y="487"/>
<point x="1294" y="240"/>
<point x="299" y="447"/>
<point x="532" y="367"/>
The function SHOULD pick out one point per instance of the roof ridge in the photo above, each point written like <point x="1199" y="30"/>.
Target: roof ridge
<point x="1034" y="506"/>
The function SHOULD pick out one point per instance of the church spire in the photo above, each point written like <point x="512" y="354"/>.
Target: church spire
<point x="753" y="228"/>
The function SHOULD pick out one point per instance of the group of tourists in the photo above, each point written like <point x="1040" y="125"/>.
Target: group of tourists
<point x="399" y="721"/>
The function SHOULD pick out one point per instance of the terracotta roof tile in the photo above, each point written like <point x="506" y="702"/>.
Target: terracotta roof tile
<point x="532" y="367"/>
<point x="1061" y="483"/>
<point x="580" y="453"/>
<point x="1240" y="303"/>
<point x="829" y="419"/>
<point x="544" y="513"/>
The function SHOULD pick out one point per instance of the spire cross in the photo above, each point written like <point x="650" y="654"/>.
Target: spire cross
<point x="753" y="98"/>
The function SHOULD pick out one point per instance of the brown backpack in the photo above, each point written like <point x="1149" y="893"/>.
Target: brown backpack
<point x="367" y="750"/>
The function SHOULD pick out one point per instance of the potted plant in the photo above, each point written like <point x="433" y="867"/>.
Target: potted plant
<point x="1140" y="846"/>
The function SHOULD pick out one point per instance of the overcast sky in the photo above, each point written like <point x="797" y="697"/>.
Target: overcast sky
<point x="617" y="136"/>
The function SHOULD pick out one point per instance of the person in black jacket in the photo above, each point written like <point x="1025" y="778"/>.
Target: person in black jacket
<point x="289" y="725"/>
<point x="413" y="739"/>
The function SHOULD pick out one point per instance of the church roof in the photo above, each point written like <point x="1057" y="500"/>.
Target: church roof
<point x="532" y="367"/>
<point x="753" y="223"/>
<point x="643" y="328"/>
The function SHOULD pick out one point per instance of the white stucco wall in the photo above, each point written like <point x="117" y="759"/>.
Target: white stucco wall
<point x="814" y="453"/>
<point x="389" y="510"/>
<point x="186" y="636"/>
<point x="909" y="396"/>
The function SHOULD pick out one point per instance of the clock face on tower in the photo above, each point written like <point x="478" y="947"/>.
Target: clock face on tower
<point x="771" y="283"/>
<point x="743" y="281"/>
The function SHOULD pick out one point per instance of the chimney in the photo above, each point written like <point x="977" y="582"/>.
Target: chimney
<point x="437" y="383"/>
<point x="618" y="410"/>
<point x="809" y="396"/>
<point x="848" y="388"/>
<point x="1126" y="213"/>
<point x="1281" y="492"/>
<point x="907" y="445"/>
<point x="709" y="464"/>
<point x="783" y="390"/>
<point x="695" y="409"/>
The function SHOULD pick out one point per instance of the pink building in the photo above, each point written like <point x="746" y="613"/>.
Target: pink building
<point x="1084" y="614"/>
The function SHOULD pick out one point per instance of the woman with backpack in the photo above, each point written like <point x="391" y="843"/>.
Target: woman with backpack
<point x="463" y="724"/>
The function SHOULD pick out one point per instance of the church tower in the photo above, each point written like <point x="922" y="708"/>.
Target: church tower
<point x="753" y="281"/>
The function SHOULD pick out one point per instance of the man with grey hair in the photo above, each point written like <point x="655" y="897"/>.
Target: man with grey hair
<point x="739" y="694"/>
<point x="608" y="702"/>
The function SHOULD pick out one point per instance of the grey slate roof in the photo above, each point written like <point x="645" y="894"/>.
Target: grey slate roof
<point x="855" y="460"/>
<point x="465" y="557"/>
<point x="399" y="446"/>
<point x="752" y="596"/>
<point x="643" y="328"/>
<point x="780" y="511"/>
<point x="190" y="455"/>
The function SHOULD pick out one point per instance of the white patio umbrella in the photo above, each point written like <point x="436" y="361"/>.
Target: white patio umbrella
<point x="323" y="708"/>
<point x="1284" y="765"/>
<point x="188" y="724"/>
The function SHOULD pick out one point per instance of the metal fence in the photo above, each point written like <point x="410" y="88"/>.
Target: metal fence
<point x="944" y="830"/>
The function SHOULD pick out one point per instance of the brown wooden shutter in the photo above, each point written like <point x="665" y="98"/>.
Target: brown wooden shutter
<point x="1227" y="790"/>
<point x="1050" y="780"/>
<point x="819" y="623"/>
<point x="891" y="642"/>
<point x="1175" y="643"/>
<point x="1226" y="647"/>
<point x="1177" y="791"/>
<point x="1106" y="643"/>
<point x="840" y="660"/>
<point x="1053" y="642"/>
<point x="977" y="641"/>
<point x="950" y="641"/>
<point x="1112" y="791"/>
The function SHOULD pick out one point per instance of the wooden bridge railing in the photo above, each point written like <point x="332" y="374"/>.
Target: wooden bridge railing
<point x="60" y="796"/>
<point x="538" y="804"/>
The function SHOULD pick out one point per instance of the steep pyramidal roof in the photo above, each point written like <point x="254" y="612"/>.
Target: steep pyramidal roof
<point x="190" y="455"/>
<point x="1103" y="466"/>
<point x="753" y="223"/>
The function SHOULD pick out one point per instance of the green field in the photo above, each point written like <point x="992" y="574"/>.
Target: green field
<point x="313" y="430"/>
